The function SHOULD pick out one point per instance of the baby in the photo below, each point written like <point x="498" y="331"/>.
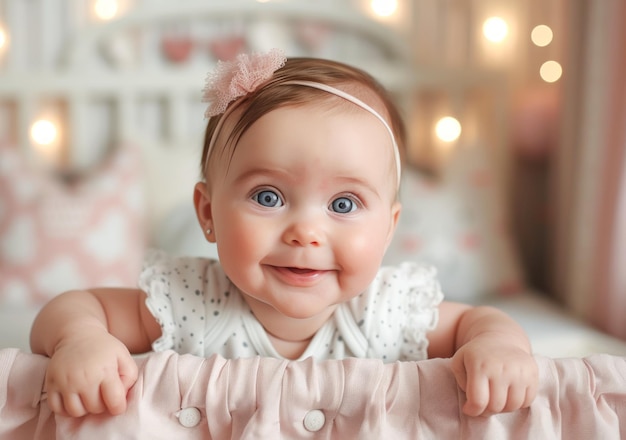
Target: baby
<point x="301" y="168"/>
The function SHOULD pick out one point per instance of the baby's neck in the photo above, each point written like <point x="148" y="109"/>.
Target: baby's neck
<point x="289" y="349"/>
<point x="289" y="336"/>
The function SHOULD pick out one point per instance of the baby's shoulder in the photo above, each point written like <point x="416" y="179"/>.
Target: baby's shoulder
<point x="400" y="282"/>
<point x="396" y="311"/>
<point x="167" y="273"/>
<point x="398" y="292"/>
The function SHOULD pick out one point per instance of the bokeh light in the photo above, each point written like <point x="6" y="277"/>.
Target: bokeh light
<point x="4" y="39"/>
<point x="541" y="35"/>
<point x="550" y="71"/>
<point x="106" y="9"/>
<point x="495" y="29"/>
<point x="384" y="8"/>
<point x="44" y="132"/>
<point x="448" y="129"/>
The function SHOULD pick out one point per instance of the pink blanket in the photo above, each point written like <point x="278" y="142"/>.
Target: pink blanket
<point x="182" y="396"/>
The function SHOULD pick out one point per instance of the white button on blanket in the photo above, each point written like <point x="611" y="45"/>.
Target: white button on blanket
<point x="189" y="417"/>
<point x="314" y="420"/>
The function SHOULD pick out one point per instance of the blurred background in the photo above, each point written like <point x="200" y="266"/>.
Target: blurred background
<point x="516" y="115"/>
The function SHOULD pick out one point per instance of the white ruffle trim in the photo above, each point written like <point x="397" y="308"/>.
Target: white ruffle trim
<point x="422" y="300"/>
<point x="153" y="282"/>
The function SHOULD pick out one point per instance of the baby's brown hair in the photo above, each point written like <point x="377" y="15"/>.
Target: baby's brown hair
<point x="275" y="94"/>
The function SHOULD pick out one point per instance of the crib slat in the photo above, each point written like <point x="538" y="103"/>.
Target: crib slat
<point x="77" y="148"/>
<point x="25" y="111"/>
<point x="125" y="118"/>
<point x="177" y="117"/>
<point x="49" y="31"/>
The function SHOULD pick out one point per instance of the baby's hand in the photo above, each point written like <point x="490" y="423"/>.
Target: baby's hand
<point x="496" y="378"/>
<point x="90" y="374"/>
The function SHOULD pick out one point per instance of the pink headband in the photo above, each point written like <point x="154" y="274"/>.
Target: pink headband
<point x="234" y="79"/>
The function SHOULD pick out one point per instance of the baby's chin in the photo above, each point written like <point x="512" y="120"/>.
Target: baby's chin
<point x="304" y="310"/>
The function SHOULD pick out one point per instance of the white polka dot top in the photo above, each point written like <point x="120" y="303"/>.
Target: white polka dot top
<point x="201" y="312"/>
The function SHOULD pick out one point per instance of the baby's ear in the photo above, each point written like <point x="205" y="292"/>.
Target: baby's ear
<point x="202" y="203"/>
<point x="396" y="208"/>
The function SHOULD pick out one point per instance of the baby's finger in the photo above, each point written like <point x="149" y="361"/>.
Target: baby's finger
<point x="113" y="394"/>
<point x="55" y="403"/>
<point x="477" y="394"/>
<point x="92" y="401"/>
<point x="531" y="393"/>
<point x="128" y="372"/>
<point x="74" y="405"/>
<point x="460" y="375"/>
<point x="516" y="398"/>
<point x="498" y="396"/>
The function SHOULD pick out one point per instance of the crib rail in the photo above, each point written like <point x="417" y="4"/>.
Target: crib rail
<point x="84" y="76"/>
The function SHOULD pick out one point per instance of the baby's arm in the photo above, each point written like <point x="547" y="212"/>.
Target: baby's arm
<point x="89" y="336"/>
<point x="491" y="357"/>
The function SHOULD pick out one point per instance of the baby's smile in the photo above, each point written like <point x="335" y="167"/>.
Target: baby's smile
<point x="299" y="270"/>
<point x="298" y="276"/>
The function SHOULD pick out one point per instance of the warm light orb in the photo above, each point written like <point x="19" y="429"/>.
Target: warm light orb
<point x="43" y="132"/>
<point x="106" y="9"/>
<point x="384" y="8"/>
<point x="3" y="38"/>
<point x="550" y="71"/>
<point x="541" y="35"/>
<point x="495" y="29"/>
<point x="448" y="129"/>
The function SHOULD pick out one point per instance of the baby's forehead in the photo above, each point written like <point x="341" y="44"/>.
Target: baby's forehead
<point x="307" y="97"/>
<point x="349" y="123"/>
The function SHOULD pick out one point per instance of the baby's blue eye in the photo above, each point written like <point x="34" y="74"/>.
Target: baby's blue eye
<point x="343" y="205"/>
<point x="268" y="199"/>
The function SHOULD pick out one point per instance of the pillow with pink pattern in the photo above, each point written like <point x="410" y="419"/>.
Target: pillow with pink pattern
<point x="56" y="236"/>
<point x="459" y="226"/>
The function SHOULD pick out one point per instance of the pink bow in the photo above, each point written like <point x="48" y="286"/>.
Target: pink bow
<point x="233" y="79"/>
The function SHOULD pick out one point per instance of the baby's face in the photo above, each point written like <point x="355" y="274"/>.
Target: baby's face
<point x="304" y="211"/>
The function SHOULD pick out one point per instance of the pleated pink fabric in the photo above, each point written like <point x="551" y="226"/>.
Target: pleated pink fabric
<point x="183" y="396"/>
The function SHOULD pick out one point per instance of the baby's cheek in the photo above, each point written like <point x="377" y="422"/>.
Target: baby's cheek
<point x="239" y="243"/>
<point x="361" y="256"/>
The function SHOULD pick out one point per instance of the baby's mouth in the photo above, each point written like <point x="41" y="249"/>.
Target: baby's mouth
<point x="300" y="271"/>
<point x="298" y="276"/>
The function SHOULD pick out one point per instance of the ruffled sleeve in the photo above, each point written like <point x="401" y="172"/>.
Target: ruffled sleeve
<point x="184" y="296"/>
<point x="422" y="301"/>
<point x="398" y="310"/>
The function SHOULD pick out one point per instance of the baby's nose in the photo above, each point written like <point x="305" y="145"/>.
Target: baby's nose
<point x="304" y="232"/>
